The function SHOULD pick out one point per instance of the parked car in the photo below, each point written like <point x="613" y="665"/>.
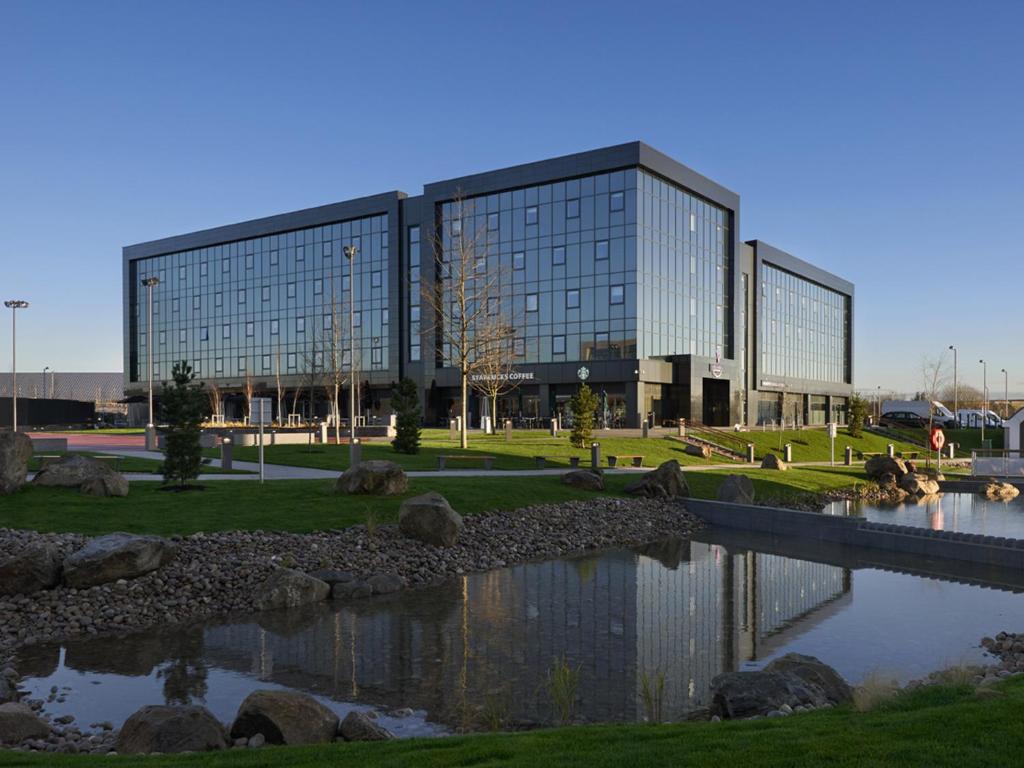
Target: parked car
<point x="940" y="414"/>
<point x="902" y="419"/>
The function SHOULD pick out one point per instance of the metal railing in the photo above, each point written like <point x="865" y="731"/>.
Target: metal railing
<point x="997" y="463"/>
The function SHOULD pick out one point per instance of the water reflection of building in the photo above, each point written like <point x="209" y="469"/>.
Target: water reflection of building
<point x="688" y="611"/>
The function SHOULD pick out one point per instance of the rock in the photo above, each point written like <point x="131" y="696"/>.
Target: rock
<point x="333" y="577"/>
<point x="256" y="741"/>
<point x="918" y="485"/>
<point x="76" y="471"/>
<point x="999" y="491"/>
<point x="702" y="451"/>
<point x="736" y="489"/>
<point x="357" y="726"/>
<point x="15" y="451"/>
<point x="379" y="478"/>
<point x="351" y="590"/>
<point x="667" y="481"/>
<point x="385" y="583"/>
<point x="8" y="691"/>
<point x="284" y="717"/>
<point x="814" y="672"/>
<point x="19" y="722"/>
<point x="171" y="728"/>
<point x="746" y="694"/>
<point x="585" y="479"/>
<point x="116" y="556"/>
<point x="877" y="466"/>
<point x="35" y="567"/>
<point x="771" y="461"/>
<point x="285" y="588"/>
<point x="887" y="480"/>
<point x="430" y="519"/>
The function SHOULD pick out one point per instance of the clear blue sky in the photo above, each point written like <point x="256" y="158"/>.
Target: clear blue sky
<point x="883" y="141"/>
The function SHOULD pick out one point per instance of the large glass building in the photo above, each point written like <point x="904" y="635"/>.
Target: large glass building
<point x="617" y="266"/>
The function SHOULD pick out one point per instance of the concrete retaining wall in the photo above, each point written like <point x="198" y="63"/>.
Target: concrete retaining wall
<point x="857" y="532"/>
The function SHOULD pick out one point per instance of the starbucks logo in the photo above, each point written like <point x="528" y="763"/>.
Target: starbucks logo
<point x="583" y="373"/>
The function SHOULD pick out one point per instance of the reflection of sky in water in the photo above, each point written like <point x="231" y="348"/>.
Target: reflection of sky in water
<point x="963" y="512"/>
<point x="687" y="610"/>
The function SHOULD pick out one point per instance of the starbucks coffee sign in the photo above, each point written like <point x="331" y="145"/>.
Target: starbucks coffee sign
<point x="509" y="376"/>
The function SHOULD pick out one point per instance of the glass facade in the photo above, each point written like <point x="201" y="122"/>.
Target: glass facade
<point x="803" y="327"/>
<point x="616" y="265"/>
<point x="264" y="305"/>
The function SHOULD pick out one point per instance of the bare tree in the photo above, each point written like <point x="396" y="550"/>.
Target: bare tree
<point x="311" y="378"/>
<point x="933" y="375"/>
<point x="495" y="373"/>
<point x="249" y="387"/>
<point x="216" y="403"/>
<point x="966" y="396"/>
<point x="464" y="298"/>
<point x="336" y="372"/>
<point x="279" y="385"/>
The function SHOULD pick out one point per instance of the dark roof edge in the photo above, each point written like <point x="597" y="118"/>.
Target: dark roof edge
<point x="267" y="225"/>
<point x="791" y="263"/>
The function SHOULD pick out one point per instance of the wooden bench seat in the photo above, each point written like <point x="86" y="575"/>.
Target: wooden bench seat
<point x="443" y="459"/>
<point x="574" y="461"/>
<point x="638" y="461"/>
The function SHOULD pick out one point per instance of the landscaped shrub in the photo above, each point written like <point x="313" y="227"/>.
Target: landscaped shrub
<point x="406" y="403"/>
<point x="857" y="413"/>
<point x="183" y="407"/>
<point x="583" y="405"/>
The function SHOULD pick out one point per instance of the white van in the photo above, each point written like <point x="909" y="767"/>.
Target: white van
<point x="942" y="416"/>
<point x="972" y="418"/>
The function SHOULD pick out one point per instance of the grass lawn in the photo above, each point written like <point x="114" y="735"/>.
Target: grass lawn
<point x="936" y="727"/>
<point x="966" y="439"/>
<point x="310" y="505"/>
<point x="515" y="454"/>
<point x="128" y="464"/>
<point x="808" y="444"/>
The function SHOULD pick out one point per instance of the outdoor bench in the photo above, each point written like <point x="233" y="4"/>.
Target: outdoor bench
<point x="574" y="461"/>
<point x="638" y="461"/>
<point x="488" y="461"/>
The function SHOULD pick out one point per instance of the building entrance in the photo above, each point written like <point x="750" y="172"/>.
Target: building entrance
<point x="716" y="402"/>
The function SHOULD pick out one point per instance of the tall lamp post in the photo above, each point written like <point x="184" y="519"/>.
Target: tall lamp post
<point x="45" y="392"/>
<point x="14" y="305"/>
<point x="956" y="390"/>
<point x="1006" y="394"/>
<point x="984" y="397"/>
<point x="351" y="252"/>
<point x="150" y="283"/>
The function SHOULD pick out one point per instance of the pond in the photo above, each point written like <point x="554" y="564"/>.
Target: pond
<point x="686" y="610"/>
<point x="962" y="512"/>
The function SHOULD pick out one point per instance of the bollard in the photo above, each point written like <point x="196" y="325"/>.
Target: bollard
<point x="226" y="451"/>
<point x="595" y="455"/>
<point x="453" y="429"/>
<point x="848" y="457"/>
<point x="356" y="452"/>
<point x="643" y="429"/>
<point x="151" y="441"/>
<point x="787" y="453"/>
<point x="952" y="450"/>
<point x="323" y="432"/>
<point x="890" y="450"/>
<point x="681" y="428"/>
<point x="554" y="426"/>
<point x="750" y="453"/>
<point x="508" y="430"/>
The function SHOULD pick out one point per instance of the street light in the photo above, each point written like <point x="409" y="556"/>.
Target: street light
<point x="1006" y="393"/>
<point x="350" y="252"/>
<point x="14" y="305"/>
<point x="45" y="369"/>
<point x="150" y="283"/>
<point x="984" y="397"/>
<point x="956" y="391"/>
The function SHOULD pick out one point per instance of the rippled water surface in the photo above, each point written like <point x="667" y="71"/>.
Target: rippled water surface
<point x="964" y="512"/>
<point x="687" y="610"/>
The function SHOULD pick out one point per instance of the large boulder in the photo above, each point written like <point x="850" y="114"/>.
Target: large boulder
<point x="378" y="478"/>
<point x="8" y="691"/>
<point x="918" y="485"/>
<point x="736" y="489"/>
<point x="667" y="481"/>
<point x="584" y="479"/>
<point x="814" y="672"/>
<point x="285" y="588"/>
<point x="116" y="556"/>
<point x="358" y="726"/>
<point x="429" y="518"/>
<point x="15" y="451"/>
<point x="85" y="473"/>
<point x="878" y="466"/>
<point x="285" y="717"/>
<point x="19" y="722"/>
<point x="702" y="451"/>
<point x="34" y="568"/>
<point x="771" y="461"/>
<point x="745" y="694"/>
<point x="999" y="491"/>
<point x="162" y="728"/>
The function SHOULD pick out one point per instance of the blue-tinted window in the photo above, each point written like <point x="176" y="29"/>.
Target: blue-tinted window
<point x="531" y="214"/>
<point x="558" y="255"/>
<point x="616" y="295"/>
<point x="601" y="250"/>
<point x="572" y="208"/>
<point x="572" y="299"/>
<point x="518" y="260"/>
<point x="558" y="345"/>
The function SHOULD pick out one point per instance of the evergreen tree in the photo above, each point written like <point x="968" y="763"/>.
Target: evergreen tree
<point x="183" y="406"/>
<point x="856" y="414"/>
<point x="406" y="402"/>
<point x="583" y="404"/>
